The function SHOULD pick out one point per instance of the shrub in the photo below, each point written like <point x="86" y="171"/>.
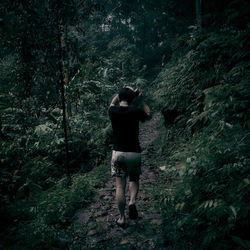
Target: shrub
<point x="55" y="208"/>
<point x="209" y="203"/>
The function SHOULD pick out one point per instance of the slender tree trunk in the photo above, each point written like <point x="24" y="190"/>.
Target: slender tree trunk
<point x="63" y="82"/>
<point x="27" y="70"/>
<point x="198" y="13"/>
<point x="143" y="37"/>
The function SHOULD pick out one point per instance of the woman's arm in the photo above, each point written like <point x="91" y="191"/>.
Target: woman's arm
<point x="145" y="106"/>
<point x="114" y="100"/>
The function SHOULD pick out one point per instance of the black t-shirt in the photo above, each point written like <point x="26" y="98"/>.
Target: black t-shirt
<point x="125" y="124"/>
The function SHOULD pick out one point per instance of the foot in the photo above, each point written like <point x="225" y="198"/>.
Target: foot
<point x="133" y="214"/>
<point x="121" y="223"/>
<point x="121" y="220"/>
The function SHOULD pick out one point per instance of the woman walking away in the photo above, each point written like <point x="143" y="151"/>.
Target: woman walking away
<point x="126" y="154"/>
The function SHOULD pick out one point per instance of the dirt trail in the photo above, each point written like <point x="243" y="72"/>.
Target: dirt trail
<point x="96" y="223"/>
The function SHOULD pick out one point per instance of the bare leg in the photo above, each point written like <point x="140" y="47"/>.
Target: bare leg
<point x="133" y="190"/>
<point x="120" y="197"/>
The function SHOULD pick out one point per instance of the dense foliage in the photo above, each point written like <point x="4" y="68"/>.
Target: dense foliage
<point x="197" y="77"/>
<point x="206" y="90"/>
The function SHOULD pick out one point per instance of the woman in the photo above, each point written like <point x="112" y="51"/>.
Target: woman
<point x="126" y="157"/>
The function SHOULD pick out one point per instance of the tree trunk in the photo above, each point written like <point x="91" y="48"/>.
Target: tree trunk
<point x="143" y="38"/>
<point x="63" y="82"/>
<point x="198" y="14"/>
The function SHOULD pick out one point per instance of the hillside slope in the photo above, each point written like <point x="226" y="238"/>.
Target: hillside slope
<point x="205" y="99"/>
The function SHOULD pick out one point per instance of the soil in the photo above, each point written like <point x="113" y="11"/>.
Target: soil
<point x="95" y="226"/>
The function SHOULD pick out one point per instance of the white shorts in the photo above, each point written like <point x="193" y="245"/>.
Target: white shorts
<point x="125" y="164"/>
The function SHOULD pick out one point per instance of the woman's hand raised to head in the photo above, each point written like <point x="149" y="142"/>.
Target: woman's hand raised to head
<point x="138" y="91"/>
<point x="128" y="87"/>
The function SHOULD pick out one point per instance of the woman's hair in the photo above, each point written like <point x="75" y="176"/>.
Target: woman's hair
<point x="126" y="94"/>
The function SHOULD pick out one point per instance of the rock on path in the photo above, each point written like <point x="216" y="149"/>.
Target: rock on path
<point x="95" y="225"/>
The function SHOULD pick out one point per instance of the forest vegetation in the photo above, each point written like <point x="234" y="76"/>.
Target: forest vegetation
<point x="61" y="62"/>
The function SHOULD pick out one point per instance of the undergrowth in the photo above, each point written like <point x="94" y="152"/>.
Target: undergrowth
<point x="49" y="215"/>
<point x="206" y="151"/>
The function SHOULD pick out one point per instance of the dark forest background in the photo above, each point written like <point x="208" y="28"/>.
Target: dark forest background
<point x="61" y="62"/>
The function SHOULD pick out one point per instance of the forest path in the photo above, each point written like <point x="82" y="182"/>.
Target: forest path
<point x="96" y="223"/>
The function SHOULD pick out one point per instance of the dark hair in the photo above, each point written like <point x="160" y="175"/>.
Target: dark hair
<point x="126" y="94"/>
